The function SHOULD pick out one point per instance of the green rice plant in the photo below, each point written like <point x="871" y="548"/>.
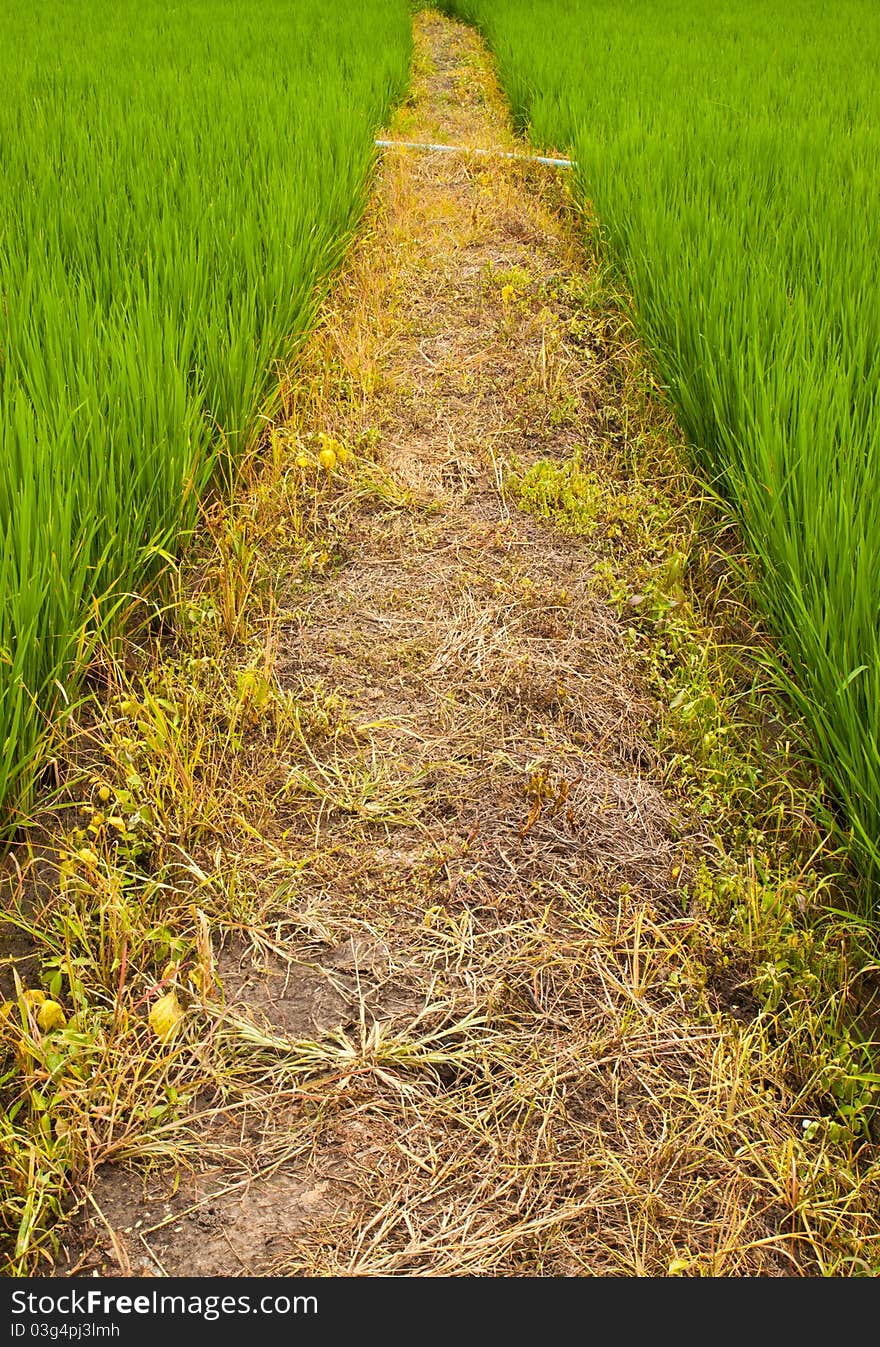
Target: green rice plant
<point x="176" y="184"/>
<point x="730" y="153"/>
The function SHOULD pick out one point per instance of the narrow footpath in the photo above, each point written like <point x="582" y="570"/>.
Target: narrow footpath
<point x="462" y="1011"/>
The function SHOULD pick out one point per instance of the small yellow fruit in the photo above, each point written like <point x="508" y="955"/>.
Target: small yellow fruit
<point x="50" y="1016"/>
<point x="104" y="794"/>
<point x="166" y="1015"/>
<point x="327" y="459"/>
<point x="343" y="454"/>
<point x="676" y="871"/>
<point x="303" y="461"/>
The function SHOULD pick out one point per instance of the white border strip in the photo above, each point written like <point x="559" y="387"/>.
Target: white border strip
<point x="466" y="149"/>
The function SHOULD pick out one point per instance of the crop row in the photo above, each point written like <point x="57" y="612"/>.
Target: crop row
<point x="175" y="184"/>
<point x="731" y="154"/>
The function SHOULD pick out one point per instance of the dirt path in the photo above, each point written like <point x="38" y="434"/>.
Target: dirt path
<point x="471" y="1031"/>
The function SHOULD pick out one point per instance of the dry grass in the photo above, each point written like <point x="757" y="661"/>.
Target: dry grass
<point x="491" y="888"/>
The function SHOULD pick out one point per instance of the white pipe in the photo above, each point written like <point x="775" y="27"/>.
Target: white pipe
<point x="466" y="149"/>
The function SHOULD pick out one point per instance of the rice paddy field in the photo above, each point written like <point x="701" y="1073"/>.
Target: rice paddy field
<point x="730" y="153"/>
<point x="175" y="184"/>
<point x="167" y="214"/>
<point x="439" y="638"/>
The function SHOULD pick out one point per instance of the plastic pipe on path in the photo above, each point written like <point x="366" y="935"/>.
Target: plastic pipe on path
<point x="466" y="149"/>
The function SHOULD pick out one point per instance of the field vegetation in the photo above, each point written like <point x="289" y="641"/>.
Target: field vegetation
<point x="730" y="154"/>
<point x="175" y="182"/>
<point x="434" y="885"/>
